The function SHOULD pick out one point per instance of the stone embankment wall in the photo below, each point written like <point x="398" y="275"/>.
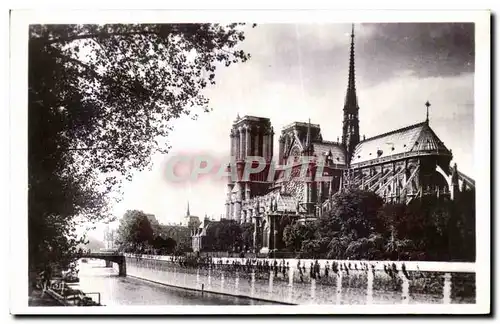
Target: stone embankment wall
<point x="354" y="282"/>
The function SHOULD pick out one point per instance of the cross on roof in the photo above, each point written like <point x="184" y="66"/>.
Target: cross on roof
<point x="427" y="105"/>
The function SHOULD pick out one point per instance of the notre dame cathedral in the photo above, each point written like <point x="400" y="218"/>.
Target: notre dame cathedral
<point x="415" y="163"/>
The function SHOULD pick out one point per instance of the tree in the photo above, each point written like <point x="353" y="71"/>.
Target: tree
<point x="164" y="245"/>
<point x="154" y="223"/>
<point x="225" y="235"/>
<point x="431" y="228"/>
<point x="247" y="230"/>
<point x="464" y="240"/>
<point x="337" y="246"/>
<point x="101" y="101"/>
<point x="357" y="211"/>
<point x="344" y="232"/>
<point x="314" y="248"/>
<point x="134" y="230"/>
<point x="295" y="234"/>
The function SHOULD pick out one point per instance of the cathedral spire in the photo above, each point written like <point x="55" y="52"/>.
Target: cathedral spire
<point x="187" y="212"/>
<point x="350" y="127"/>
<point x="351" y="88"/>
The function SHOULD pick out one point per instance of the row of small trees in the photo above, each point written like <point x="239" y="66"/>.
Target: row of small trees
<point x="360" y="226"/>
<point x="141" y="232"/>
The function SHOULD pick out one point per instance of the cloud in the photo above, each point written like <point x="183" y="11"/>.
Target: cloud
<point x="433" y="49"/>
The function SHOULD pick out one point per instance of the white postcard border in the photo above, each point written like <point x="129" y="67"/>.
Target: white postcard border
<point x="18" y="148"/>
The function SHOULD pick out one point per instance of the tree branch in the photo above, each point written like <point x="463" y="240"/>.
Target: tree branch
<point x="100" y="35"/>
<point x="93" y="72"/>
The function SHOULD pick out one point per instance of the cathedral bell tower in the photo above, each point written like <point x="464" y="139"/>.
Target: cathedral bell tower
<point x="350" y="126"/>
<point x="250" y="136"/>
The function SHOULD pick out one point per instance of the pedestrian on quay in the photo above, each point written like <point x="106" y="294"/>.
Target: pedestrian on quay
<point x="46" y="278"/>
<point x="317" y="270"/>
<point x="327" y="266"/>
<point x="311" y="271"/>
<point x="335" y="266"/>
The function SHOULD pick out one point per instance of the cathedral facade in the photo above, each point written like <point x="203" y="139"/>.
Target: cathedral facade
<point x="399" y="166"/>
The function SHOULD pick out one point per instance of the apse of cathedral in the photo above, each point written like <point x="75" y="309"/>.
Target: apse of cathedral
<point x="398" y="166"/>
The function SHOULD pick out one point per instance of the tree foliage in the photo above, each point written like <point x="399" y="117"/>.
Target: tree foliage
<point x="224" y="235"/>
<point x="356" y="210"/>
<point x="120" y="86"/>
<point x="101" y="102"/>
<point x="361" y="227"/>
<point x="164" y="245"/>
<point x="296" y="233"/>
<point x="247" y="231"/>
<point x="134" y="230"/>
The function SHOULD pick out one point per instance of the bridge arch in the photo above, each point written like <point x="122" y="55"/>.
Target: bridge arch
<point x="117" y="258"/>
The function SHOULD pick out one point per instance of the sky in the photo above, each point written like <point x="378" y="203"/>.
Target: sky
<point x="299" y="72"/>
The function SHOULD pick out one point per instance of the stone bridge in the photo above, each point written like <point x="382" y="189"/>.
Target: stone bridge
<point x="110" y="257"/>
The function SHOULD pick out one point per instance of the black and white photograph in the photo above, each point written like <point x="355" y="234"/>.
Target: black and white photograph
<point x="321" y="164"/>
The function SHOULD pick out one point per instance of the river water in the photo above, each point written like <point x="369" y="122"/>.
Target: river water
<point x="116" y="291"/>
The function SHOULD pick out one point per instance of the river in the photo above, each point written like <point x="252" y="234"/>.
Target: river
<point x="116" y="291"/>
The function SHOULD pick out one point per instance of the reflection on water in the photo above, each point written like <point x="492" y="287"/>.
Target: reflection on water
<point x="114" y="290"/>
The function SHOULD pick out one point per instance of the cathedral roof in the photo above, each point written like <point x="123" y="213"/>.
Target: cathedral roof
<point x="323" y="148"/>
<point x="301" y="129"/>
<point x="418" y="138"/>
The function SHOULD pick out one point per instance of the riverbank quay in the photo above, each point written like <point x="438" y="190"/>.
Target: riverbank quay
<point x="314" y="281"/>
<point x="60" y="293"/>
<point x="36" y="299"/>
